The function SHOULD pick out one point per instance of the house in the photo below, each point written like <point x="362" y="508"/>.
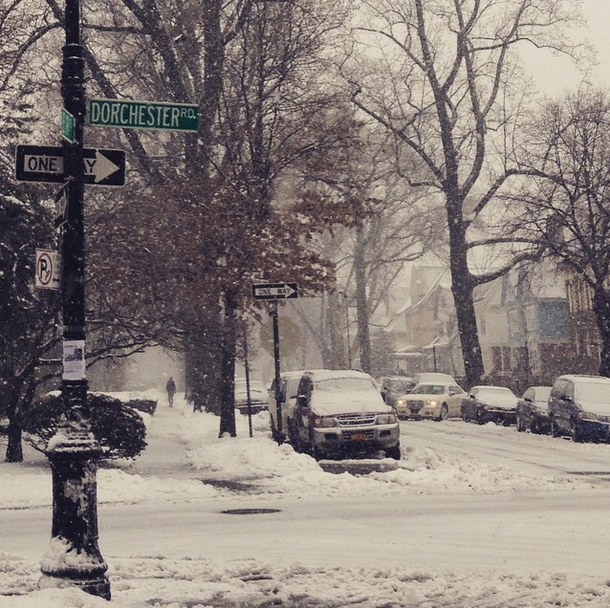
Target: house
<point x="425" y="328"/>
<point x="522" y="319"/>
<point x="524" y="327"/>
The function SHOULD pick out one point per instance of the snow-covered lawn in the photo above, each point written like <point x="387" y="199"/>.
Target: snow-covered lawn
<point x="279" y="474"/>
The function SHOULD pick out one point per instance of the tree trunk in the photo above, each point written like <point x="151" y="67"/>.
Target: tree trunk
<point x="601" y="308"/>
<point x="328" y="337"/>
<point x="362" y="312"/>
<point x="14" y="449"/>
<point x="462" y="287"/>
<point x="227" y="382"/>
<point x="202" y="363"/>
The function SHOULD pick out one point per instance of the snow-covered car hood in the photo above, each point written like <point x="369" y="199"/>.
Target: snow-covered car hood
<point x="325" y="403"/>
<point x="499" y="401"/>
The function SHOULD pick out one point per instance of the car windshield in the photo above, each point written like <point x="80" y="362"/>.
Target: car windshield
<point x="429" y="389"/>
<point x="333" y="385"/>
<point x="542" y="393"/>
<point x="255" y="387"/>
<point x="594" y="393"/>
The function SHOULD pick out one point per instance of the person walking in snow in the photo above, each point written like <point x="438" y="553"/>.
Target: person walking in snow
<point x="170" y="387"/>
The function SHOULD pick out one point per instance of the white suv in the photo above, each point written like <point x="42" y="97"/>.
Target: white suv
<point x="341" y="412"/>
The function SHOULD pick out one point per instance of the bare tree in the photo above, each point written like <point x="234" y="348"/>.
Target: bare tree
<point x="444" y="81"/>
<point x="568" y="205"/>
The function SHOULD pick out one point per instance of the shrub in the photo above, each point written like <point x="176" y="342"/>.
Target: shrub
<point x="136" y="400"/>
<point x="118" y="428"/>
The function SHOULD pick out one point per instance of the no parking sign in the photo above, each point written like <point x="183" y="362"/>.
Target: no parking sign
<point x="48" y="269"/>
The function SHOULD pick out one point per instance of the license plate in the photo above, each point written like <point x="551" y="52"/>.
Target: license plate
<point x="358" y="437"/>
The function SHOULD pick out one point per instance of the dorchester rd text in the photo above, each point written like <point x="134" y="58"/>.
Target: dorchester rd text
<point x="143" y="115"/>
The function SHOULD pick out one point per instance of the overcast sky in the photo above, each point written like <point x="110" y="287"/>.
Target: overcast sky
<point x="555" y="75"/>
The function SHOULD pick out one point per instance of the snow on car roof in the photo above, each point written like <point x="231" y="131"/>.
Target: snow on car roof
<point x="329" y="374"/>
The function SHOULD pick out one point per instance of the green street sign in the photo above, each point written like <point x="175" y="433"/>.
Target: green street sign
<point x="67" y="125"/>
<point x="143" y="115"/>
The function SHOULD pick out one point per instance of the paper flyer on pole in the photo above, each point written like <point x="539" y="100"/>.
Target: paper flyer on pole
<point x="74" y="359"/>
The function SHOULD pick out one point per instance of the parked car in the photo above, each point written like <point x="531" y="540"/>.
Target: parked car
<point x="340" y="413"/>
<point x="579" y="407"/>
<point x="394" y="386"/>
<point x="438" y="401"/>
<point x="432" y="378"/>
<point x="533" y="410"/>
<point x="258" y="396"/>
<point x="289" y="383"/>
<point x="490" y="404"/>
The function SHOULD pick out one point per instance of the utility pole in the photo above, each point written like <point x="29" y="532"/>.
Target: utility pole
<point x="74" y="558"/>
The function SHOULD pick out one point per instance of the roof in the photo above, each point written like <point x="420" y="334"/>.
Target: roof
<point x="431" y="278"/>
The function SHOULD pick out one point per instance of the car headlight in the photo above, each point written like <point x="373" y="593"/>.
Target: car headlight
<point x="431" y="403"/>
<point x="587" y="416"/>
<point x="385" y="419"/>
<point x="324" y="421"/>
<point x="401" y="402"/>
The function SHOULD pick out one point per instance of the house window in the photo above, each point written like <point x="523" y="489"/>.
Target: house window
<point x="500" y="356"/>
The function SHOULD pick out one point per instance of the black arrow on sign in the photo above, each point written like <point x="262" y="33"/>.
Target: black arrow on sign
<point x="103" y="167"/>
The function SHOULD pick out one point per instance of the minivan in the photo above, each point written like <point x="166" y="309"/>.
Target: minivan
<point x="579" y="407"/>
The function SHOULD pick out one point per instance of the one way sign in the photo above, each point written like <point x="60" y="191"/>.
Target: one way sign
<point x="103" y="167"/>
<point x="275" y="291"/>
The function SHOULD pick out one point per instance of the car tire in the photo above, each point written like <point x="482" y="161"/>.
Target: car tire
<point x="576" y="434"/>
<point x="394" y="452"/>
<point x="444" y="412"/>
<point x="554" y="430"/>
<point x="316" y="452"/>
<point x="479" y="417"/>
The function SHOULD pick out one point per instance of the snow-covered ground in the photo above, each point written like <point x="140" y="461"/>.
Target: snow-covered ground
<point x="366" y="572"/>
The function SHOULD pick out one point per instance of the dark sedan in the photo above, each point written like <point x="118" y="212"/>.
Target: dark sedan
<point x="533" y="410"/>
<point x="394" y="386"/>
<point x="490" y="404"/>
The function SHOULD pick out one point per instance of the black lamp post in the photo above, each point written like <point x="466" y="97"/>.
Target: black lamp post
<point x="74" y="558"/>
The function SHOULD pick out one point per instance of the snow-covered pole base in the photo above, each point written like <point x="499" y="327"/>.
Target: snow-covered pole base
<point x="73" y="557"/>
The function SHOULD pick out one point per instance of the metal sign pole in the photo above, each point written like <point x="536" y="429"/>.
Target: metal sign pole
<point x="248" y="397"/>
<point x="273" y="292"/>
<point x="74" y="557"/>
<point x="273" y="311"/>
